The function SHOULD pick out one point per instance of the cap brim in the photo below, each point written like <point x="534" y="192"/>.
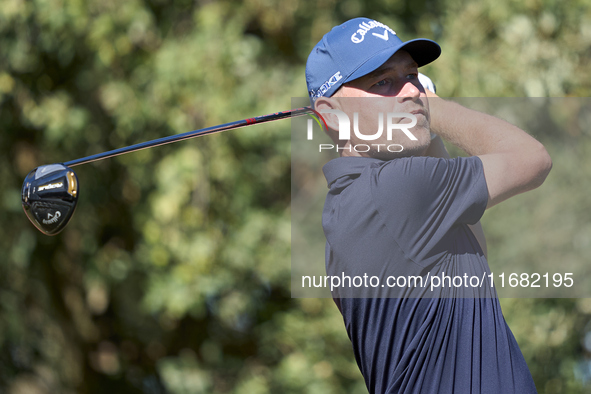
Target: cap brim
<point x="422" y="50"/>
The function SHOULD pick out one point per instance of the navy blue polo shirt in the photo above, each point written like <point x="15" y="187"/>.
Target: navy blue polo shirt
<point x="393" y="224"/>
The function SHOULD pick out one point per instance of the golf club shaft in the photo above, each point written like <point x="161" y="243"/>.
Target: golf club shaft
<point x="191" y="134"/>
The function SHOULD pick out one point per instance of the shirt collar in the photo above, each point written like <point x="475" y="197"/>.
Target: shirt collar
<point x="346" y="167"/>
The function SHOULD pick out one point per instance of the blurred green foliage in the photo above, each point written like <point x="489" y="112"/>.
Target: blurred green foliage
<point x="174" y="274"/>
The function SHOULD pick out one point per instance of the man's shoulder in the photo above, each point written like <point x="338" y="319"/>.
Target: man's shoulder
<point x="410" y="176"/>
<point x="355" y="166"/>
<point x="426" y="168"/>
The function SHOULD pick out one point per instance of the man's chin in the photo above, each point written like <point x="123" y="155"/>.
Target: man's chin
<point x="407" y="152"/>
<point x="394" y="151"/>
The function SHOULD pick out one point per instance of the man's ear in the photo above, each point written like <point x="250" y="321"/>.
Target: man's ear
<point x="324" y="103"/>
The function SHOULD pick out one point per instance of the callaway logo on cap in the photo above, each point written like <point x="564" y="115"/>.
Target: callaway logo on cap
<point x="356" y="48"/>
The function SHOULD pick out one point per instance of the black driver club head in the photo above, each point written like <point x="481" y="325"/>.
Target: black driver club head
<point x="49" y="197"/>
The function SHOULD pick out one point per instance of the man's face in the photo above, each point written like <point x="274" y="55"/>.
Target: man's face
<point x="394" y="87"/>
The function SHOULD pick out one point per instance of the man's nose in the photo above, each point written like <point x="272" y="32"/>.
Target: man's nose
<point x="410" y="90"/>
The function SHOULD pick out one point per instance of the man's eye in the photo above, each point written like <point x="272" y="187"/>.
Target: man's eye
<point x="413" y="76"/>
<point x="381" y="83"/>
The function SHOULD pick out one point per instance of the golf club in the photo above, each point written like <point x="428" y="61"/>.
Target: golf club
<point x="50" y="192"/>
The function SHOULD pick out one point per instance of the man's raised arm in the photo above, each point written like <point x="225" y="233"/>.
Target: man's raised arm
<point x="514" y="162"/>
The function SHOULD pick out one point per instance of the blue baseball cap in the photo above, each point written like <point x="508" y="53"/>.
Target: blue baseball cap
<point x="356" y="48"/>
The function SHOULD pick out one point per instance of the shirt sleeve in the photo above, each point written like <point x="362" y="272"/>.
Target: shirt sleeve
<point x="422" y="198"/>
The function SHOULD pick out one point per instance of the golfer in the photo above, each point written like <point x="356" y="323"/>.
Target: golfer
<point x="400" y="211"/>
